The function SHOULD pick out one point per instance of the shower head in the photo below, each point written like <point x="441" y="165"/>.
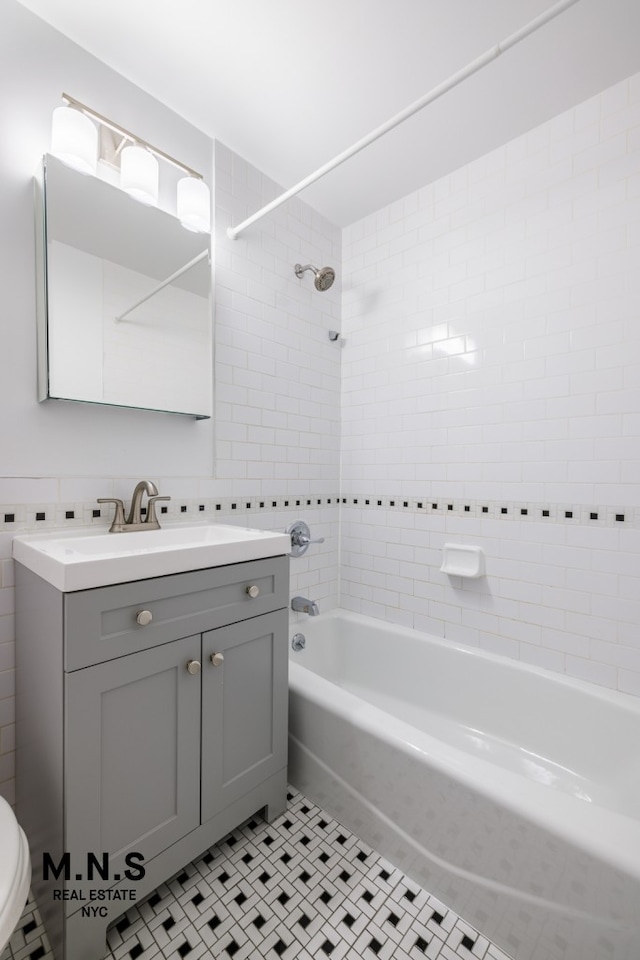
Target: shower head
<point x="323" y="277"/>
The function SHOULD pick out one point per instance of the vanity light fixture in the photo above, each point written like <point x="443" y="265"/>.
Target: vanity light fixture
<point x="74" y="139"/>
<point x="139" y="174"/>
<point x="194" y="205"/>
<point x="79" y="135"/>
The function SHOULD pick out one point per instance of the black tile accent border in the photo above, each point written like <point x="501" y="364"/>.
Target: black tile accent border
<point x="613" y="516"/>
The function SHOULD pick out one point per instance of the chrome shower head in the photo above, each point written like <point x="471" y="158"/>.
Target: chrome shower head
<point x="323" y="277"/>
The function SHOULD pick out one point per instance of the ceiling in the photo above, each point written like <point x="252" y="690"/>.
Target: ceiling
<point x="288" y="84"/>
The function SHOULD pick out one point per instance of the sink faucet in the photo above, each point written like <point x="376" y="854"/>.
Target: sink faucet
<point x="302" y="605"/>
<point x="145" y="486"/>
<point x="134" y="521"/>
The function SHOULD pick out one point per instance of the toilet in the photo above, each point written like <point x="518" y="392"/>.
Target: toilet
<point x="15" y="872"/>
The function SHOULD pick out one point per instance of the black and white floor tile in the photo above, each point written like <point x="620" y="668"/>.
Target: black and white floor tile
<point x="301" y="887"/>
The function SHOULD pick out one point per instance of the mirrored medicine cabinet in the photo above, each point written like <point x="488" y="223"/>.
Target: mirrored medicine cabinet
<point x="124" y="311"/>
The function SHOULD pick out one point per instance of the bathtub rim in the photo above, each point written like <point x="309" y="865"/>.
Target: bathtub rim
<point x="606" y="694"/>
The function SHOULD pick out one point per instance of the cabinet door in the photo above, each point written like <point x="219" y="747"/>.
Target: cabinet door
<point x="244" y="708"/>
<point x="132" y="753"/>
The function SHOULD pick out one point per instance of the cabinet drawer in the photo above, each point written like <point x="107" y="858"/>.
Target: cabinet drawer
<point x="102" y="623"/>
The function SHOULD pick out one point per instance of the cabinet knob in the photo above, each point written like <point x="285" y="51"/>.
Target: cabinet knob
<point x="143" y="617"/>
<point x="193" y="667"/>
<point x="253" y="591"/>
<point x="217" y="659"/>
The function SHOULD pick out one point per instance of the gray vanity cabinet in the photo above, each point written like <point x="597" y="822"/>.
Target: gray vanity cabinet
<point x="148" y="735"/>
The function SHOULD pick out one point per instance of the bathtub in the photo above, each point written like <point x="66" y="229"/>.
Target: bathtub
<point x="510" y="793"/>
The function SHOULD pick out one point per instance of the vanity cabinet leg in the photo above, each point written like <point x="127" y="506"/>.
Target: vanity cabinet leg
<point x="277" y="797"/>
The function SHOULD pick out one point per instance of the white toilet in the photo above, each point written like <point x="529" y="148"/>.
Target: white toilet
<point x="15" y="872"/>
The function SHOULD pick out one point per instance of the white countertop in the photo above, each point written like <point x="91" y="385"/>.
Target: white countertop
<point x="79" y="560"/>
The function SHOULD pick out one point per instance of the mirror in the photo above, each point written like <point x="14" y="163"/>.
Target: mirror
<point x="125" y="299"/>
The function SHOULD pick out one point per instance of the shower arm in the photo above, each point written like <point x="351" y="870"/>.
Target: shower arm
<point x="491" y="54"/>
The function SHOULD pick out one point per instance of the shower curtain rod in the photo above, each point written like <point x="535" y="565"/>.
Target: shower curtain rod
<point x="491" y="54"/>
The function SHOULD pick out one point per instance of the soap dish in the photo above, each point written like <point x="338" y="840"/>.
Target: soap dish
<point x="462" y="560"/>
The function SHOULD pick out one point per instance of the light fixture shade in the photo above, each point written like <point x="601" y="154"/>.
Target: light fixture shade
<point x="139" y="174"/>
<point x="194" y="204"/>
<point x="74" y="139"/>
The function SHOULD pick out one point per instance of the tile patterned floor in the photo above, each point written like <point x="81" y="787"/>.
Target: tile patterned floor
<point x="301" y="888"/>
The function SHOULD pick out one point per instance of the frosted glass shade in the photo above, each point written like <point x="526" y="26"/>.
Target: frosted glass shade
<point x="74" y="139"/>
<point x="194" y="204"/>
<point x="139" y="174"/>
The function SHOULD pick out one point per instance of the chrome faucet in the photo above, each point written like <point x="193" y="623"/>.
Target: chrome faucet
<point x="302" y="605"/>
<point x="134" y="521"/>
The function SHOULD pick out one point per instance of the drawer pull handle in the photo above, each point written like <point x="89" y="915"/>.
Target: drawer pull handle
<point x="217" y="659"/>
<point x="193" y="667"/>
<point x="143" y="617"/>
<point x="253" y="591"/>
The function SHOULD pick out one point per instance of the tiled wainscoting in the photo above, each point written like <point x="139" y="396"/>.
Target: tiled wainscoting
<point x="301" y="887"/>
<point x="560" y="590"/>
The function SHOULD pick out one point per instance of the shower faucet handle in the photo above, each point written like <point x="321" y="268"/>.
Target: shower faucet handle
<point x="303" y="541"/>
<point x="300" y="538"/>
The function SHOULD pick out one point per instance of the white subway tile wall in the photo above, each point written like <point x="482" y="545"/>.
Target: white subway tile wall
<point x="277" y="413"/>
<point x="491" y="382"/>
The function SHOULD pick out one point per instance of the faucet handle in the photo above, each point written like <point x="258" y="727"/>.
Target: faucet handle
<point x="302" y="541"/>
<point x="300" y="538"/>
<point x="151" y="510"/>
<point x="118" y="518"/>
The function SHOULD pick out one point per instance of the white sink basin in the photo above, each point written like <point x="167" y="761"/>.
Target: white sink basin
<point x="93" y="558"/>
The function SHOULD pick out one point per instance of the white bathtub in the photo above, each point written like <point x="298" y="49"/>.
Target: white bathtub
<point x="510" y="793"/>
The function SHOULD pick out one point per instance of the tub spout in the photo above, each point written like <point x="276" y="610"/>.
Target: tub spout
<point x="302" y="605"/>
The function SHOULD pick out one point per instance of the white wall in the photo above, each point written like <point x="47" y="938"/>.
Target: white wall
<point x="492" y="367"/>
<point x="271" y="454"/>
